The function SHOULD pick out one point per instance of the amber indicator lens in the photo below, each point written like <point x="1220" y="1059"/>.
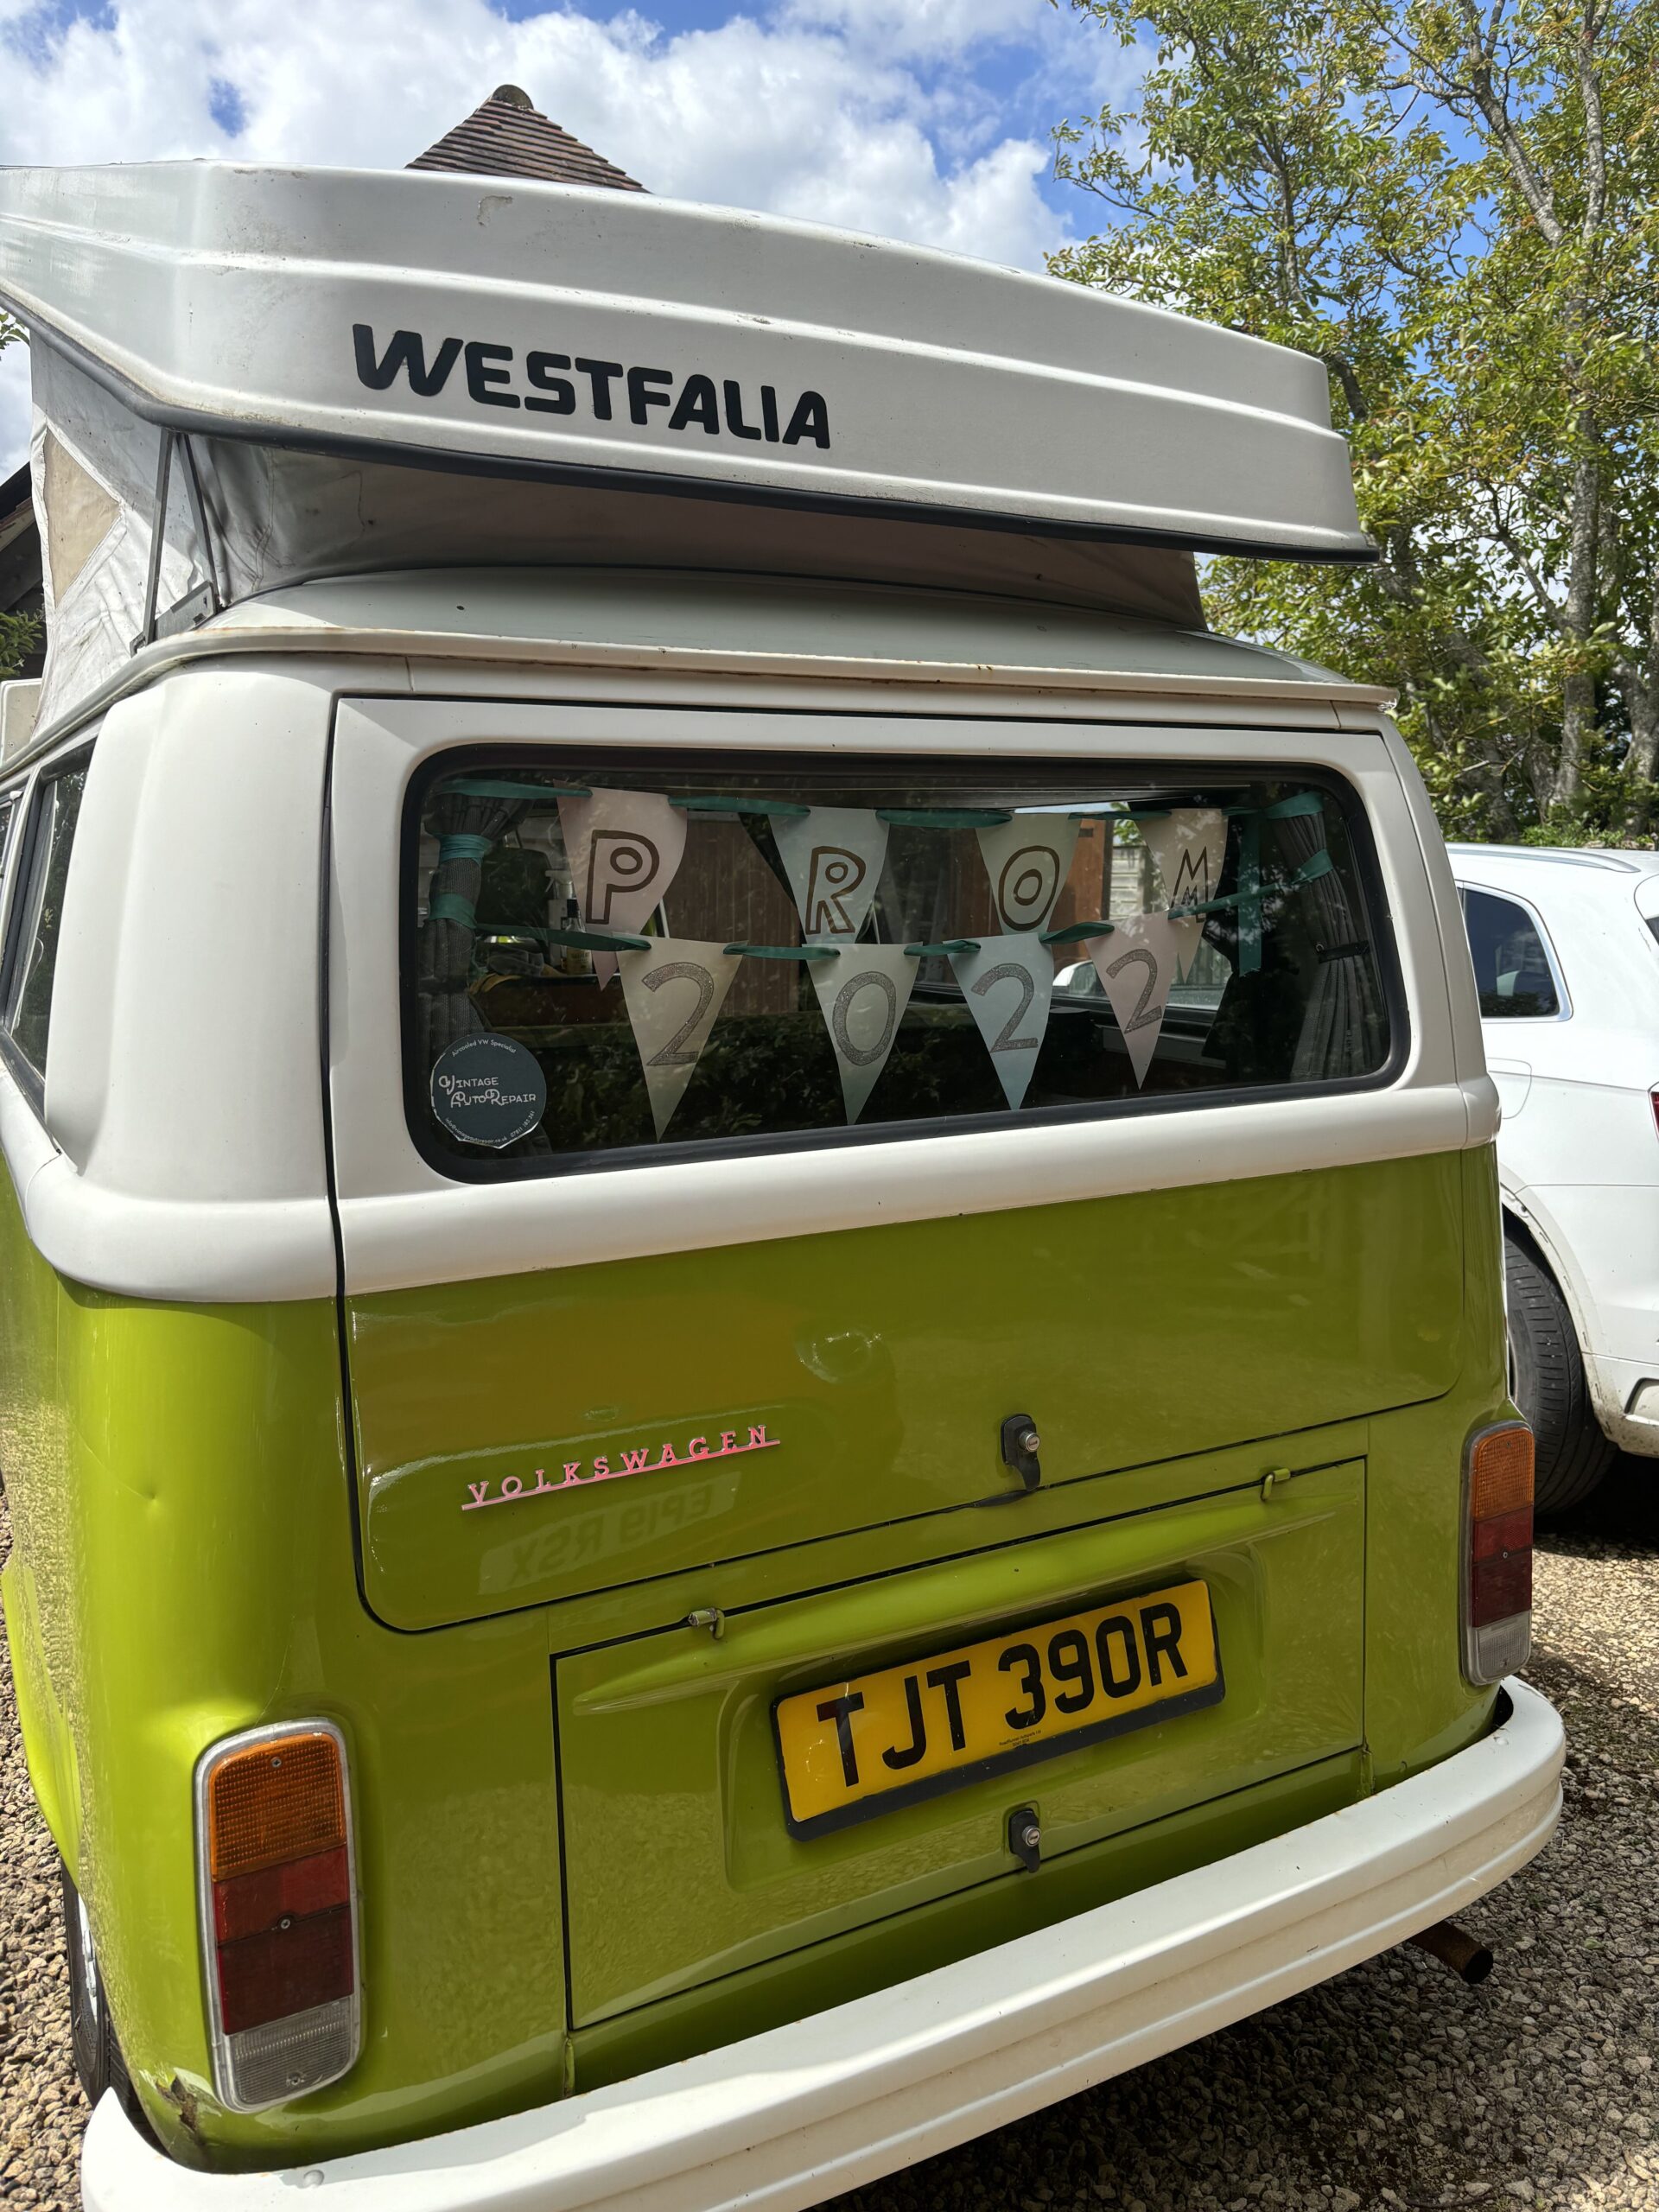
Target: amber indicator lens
<point x="1500" y="1525"/>
<point x="282" y="1798"/>
<point x="1500" y="1473"/>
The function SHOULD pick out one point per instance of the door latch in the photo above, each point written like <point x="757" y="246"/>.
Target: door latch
<point x="1026" y="1837"/>
<point x="1021" y="1445"/>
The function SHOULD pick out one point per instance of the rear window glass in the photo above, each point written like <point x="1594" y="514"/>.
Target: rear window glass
<point x="1512" y="970"/>
<point x="604" y="957"/>
<point x="51" y="839"/>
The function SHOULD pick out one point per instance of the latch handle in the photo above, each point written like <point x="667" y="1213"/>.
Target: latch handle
<point x="1021" y="1445"/>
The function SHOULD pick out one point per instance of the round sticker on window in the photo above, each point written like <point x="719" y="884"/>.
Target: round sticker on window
<point x="488" y="1090"/>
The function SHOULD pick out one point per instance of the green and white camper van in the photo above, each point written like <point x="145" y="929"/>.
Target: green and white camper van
<point x="751" y="1350"/>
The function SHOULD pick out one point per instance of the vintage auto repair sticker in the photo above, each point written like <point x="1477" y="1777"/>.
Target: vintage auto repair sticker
<point x="488" y="1090"/>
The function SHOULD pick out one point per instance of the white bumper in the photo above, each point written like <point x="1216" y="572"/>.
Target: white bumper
<point x="790" y="2118"/>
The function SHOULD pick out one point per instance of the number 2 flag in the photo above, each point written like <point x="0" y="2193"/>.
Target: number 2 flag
<point x="1008" y="984"/>
<point x="1136" y="966"/>
<point x="674" y="993"/>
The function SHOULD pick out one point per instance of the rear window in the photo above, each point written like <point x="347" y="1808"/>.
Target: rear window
<point x="604" y="958"/>
<point x="1512" y="969"/>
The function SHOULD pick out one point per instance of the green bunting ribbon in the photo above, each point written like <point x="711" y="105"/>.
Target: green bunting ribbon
<point x="493" y="787"/>
<point x="1074" y="933"/>
<point x="787" y="951"/>
<point x="944" y="817"/>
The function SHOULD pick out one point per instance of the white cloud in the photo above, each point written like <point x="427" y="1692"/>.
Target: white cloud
<point x="919" y="26"/>
<point x="859" y="112"/>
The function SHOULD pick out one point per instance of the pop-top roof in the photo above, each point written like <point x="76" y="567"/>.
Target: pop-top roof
<point x="605" y="335"/>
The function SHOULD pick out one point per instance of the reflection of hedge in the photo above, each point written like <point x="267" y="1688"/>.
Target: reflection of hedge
<point x="766" y="1073"/>
<point x="773" y="1073"/>
<point x="763" y="1072"/>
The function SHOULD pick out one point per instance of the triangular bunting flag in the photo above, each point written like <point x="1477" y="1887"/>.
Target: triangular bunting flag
<point x="1190" y="846"/>
<point x="833" y="857"/>
<point x="1189" y="937"/>
<point x="1136" y="967"/>
<point x="1028" y="861"/>
<point x="625" y="849"/>
<point x="674" y="994"/>
<point x="1008" y="984"/>
<point x="863" y="995"/>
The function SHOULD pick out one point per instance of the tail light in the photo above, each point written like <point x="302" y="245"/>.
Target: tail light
<point x="278" y="1894"/>
<point x="1497" y="1552"/>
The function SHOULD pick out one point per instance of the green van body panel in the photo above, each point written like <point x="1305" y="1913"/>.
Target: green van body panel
<point x="883" y="1361"/>
<point x="189" y="1560"/>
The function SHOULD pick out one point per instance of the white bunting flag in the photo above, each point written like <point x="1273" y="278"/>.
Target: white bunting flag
<point x="625" y="849"/>
<point x="1028" y="861"/>
<point x="1190" y="846"/>
<point x="674" y="994"/>
<point x="1008" y="984"/>
<point x="834" y="856"/>
<point x="863" y="992"/>
<point x="1136" y="967"/>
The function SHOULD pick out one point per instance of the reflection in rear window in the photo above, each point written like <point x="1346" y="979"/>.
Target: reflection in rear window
<point x="603" y="956"/>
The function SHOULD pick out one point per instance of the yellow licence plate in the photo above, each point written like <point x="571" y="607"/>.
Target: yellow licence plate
<point x="873" y="1742"/>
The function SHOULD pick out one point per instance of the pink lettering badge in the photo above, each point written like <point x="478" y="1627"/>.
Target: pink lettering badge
<point x="636" y="1460"/>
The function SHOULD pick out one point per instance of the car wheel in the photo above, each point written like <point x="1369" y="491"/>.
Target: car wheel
<point x="1548" y="1381"/>
<point x="98" y="2063"/>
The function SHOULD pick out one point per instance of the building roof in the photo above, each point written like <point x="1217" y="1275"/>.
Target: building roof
<point x="508" y="136"/>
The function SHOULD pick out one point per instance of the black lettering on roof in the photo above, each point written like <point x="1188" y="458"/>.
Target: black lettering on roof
<point x="406" y="351"/>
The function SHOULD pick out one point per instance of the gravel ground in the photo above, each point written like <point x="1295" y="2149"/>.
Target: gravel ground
<point x="1391" y="2086"/>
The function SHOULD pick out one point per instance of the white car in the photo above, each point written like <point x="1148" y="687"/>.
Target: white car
<point x="1566" y="947"/>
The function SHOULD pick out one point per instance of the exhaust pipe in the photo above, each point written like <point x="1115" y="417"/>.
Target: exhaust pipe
<point x="1446" y="1940"/>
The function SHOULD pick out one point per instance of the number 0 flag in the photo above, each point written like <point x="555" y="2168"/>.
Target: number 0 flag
<point x="1136" y="967"/>
<point x="674" y="994"/>
<point x="863" y="992"/>
<point x="1008" y="985"/>
<point x="1028" y="861"/>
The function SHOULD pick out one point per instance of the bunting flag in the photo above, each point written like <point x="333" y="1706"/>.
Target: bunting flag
<point x="1136" y="966"/>
<point x="1008" y="984"/>
<point x="625" y="849"/>
<point x="1188" y="936"/>
<point x="863" y="995"/>
<point x="1190" y="846"/>
<point x="674" y="994"/>
<point x="834" y="856"/>
<point x="1028" y="861"/>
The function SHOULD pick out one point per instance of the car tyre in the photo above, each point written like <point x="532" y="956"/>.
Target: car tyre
<point x="98" y="2063"/>
<point x="1548" y="1381"/>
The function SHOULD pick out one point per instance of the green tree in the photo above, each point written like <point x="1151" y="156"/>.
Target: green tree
<point x="17" y="632"/>
<point x="1455" y="208"/>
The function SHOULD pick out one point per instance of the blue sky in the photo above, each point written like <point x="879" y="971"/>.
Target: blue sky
<point x="924" y="119"/>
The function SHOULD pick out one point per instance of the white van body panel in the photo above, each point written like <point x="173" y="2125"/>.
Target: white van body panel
<point x="402" y="1222"/>
<point x="1578" y="1149"/>
<point x="187" y="1155"/>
